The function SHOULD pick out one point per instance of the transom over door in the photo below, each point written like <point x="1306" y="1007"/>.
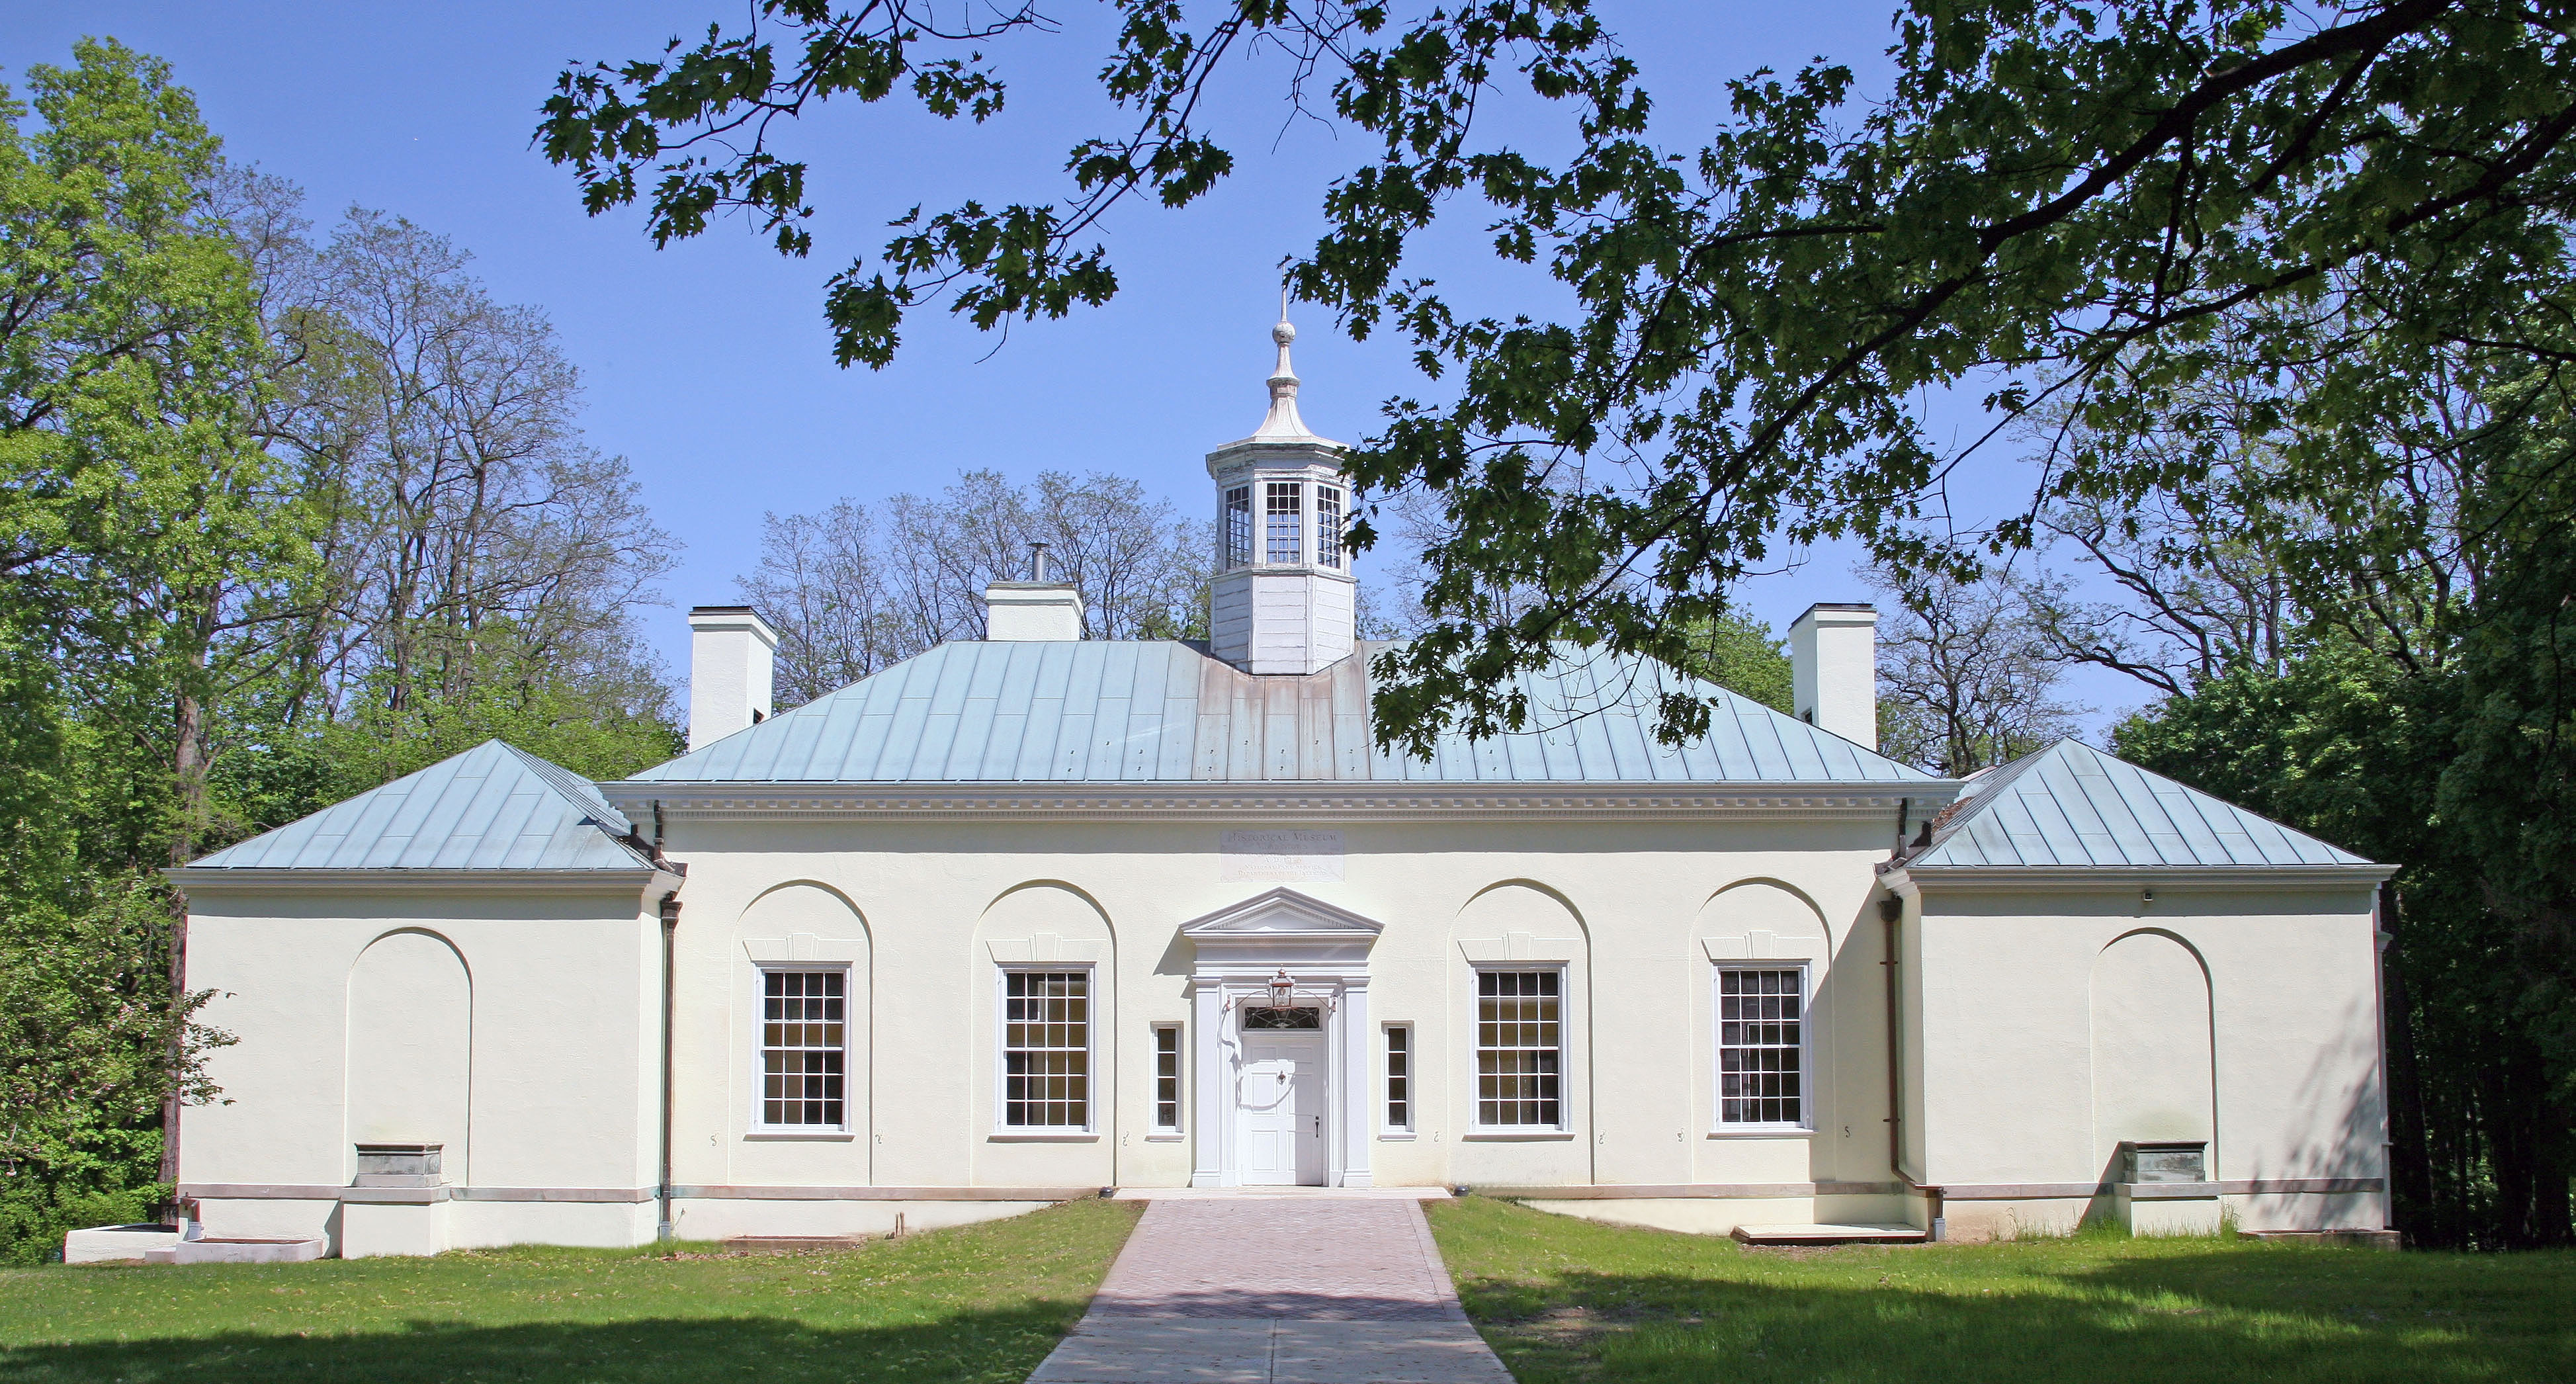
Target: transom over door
<point x="1280" y="1110"/>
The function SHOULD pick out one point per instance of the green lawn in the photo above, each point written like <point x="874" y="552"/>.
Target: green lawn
<point x="1564" y="1299"/>
<point x="985" y="1302"/>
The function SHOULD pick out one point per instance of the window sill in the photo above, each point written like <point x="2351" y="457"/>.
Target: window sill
<point x="1165" y="1136"/>
<point x="1396" y="1136"/>
<point x="1507" y="1136"/>
<point x="1040" y="1136"/>
<point x="800" y="1136"/>
<point x="1761" y="1132"/>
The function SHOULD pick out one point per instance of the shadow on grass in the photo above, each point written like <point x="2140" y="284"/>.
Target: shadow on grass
<point x="994" y="1345"/>
<point x="1910" y="1316"/>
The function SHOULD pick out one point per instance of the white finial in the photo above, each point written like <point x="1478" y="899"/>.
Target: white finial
<point x="1283" y="421"/>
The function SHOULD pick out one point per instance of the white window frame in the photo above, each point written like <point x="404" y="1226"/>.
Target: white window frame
<point x="1564" y="1049"/>
<point x="760" y="975"/>
<point x="1236" y="500"/>
<point x="1331" y="505"/>
<point x="1180" y="1078"/>
<point x="1299" y="540"/>
<point x="1090" y="1128"/>
<point x="1717" y="1121"/>
<point x="1387" y="1128"/>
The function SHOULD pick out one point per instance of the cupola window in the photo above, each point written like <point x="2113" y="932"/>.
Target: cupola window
<point x="1328" y="525"/>
<point x="1283" y="531"/>
<point x="1238" y="527"/>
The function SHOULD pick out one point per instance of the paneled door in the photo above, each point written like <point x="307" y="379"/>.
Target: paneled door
<point x="1280" y="1110"/>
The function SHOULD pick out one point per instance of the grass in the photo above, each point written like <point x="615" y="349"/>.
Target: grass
<point x="1563" y="1299"/>
<point x="983" y="1302"/>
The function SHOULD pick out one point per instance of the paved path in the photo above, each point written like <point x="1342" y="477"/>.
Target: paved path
<point x="1276" y="1290"/>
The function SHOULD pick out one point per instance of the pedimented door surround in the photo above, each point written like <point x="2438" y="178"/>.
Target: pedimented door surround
<point x="1240" y="947"/>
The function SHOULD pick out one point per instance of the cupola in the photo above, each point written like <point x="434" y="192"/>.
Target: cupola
<point x="1284" y="600"/>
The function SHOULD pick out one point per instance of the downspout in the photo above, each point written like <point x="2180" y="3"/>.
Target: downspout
<point x="662" y="1229"/>
<point x="2380" y="937"/>
<point x="1891" y="912"/>
<point x="670" y="931"/>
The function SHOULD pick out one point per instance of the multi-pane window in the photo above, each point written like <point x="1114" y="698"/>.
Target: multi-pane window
<point x="1238" y="526"/>
<point x="804" y="1048"/>
<point x="1281" y="528"/>
<point x="1399" y="1077"/>
<point x="1328" y="525"/>
<point x="1519" y="1050"/>
<point x="1046" y="1049"/>
<point x="1761" y="1050"/>
<point x="1167" y="1076"/>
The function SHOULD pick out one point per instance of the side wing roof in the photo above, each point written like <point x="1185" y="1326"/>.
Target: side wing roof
<point x="491" y="808"/>
<point x="2073" y="805"/>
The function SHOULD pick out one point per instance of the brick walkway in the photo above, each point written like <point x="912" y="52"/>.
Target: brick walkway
<point x="1264" y="1290"/>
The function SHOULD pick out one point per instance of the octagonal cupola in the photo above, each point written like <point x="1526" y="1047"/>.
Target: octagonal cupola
<point x="1285" y="601"/>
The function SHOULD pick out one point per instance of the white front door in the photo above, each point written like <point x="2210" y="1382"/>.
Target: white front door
<point x="1280" y="1110"/>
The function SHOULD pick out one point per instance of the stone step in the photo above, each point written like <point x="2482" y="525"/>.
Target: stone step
<point x="1830" y="1235"/>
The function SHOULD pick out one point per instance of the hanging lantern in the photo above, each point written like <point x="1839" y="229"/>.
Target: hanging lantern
<point x="1282" y="990"/>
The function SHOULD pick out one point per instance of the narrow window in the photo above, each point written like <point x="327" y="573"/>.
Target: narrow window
<point x="1328" y="525"/>
<point x="1399" y="1077"/>
<point x="1046" y="1050"/>
<point x="1167" y="1077"/>
<point x="1280" y="533"/>
<point x="1761" y="1048"/>
<point x="803" y="1048"/>
<point x="1238" y="527"/>
<point x="1519" y="1053"/>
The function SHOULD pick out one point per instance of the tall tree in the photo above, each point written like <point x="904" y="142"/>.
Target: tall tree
<point x="2054" y="196"/>
<point x="145" y="541"/>
<point x="849" y="597"/>
<point x="1967" y="680"/>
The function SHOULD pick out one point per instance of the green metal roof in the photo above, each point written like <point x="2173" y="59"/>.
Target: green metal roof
<point x="1099" y="711"/>
<point x="490" y="808"/>
<point x="2073" y="805"/>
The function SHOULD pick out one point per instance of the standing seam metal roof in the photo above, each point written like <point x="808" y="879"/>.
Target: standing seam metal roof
<point x="490" y="808"/>
<point x="2071" y="804"/>
<point x="1158" y="711"/>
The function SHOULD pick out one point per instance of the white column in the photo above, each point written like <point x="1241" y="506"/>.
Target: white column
<point x="1356" y="1079"/>
<point x="1208" y="1113"/>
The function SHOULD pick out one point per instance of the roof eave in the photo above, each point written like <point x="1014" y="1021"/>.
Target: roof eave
<point x="1339" y="800"/>
<point x="1911" y="880"/>
<point x="245" y="879"/>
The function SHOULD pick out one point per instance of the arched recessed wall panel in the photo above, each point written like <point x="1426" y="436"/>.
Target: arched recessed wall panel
<point x="2151" y="1045"/>
<point x="411" y="1047"/>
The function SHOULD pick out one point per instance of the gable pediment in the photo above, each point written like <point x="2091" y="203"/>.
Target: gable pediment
<point x="1281" y="913"/>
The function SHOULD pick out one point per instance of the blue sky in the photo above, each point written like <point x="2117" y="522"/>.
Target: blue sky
<point x="708" y="365"/>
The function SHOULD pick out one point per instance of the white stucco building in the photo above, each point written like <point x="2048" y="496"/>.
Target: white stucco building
<point x="1025" y="918"/>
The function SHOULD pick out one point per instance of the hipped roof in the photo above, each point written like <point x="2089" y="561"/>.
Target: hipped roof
<point x="491" y="808"/>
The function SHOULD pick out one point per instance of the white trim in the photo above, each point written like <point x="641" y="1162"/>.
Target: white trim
<point x="1564" y="1126"/>
<point x="759" y="1126"/>
<point x="1502" y="952"/>
<point x="804" y="948"/>
<point x="1910" y="881"/>
<point x="1718" y="1125"/>
<point x="1156" y="1129"/>
<point x="1412" y="1079"/>
<point x="219" y="880"/>
<point x="1273" y="803"/>
<point x="1090" y="1127"/>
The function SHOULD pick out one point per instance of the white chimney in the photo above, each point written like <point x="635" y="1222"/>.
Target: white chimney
<point x="730" y="665"/>
<point x="1032" y="610"/>
<point x="1833" y="671"/>
<point x="1283" y="600"/>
